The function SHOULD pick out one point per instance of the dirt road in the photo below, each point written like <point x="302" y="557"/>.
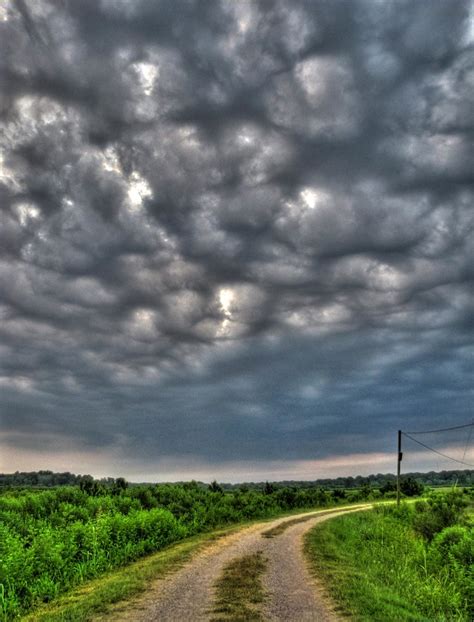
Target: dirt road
<point x="187" y="595"/>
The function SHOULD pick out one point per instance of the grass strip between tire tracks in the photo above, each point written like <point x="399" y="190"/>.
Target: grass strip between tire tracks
<point x="239" y="590"/>
<point x="283" y="526"/>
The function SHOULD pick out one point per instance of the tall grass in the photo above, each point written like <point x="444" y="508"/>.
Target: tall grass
<point x="415" y="563"/>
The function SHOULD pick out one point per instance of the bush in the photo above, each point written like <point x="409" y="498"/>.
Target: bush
<point x="410" y="487"/>
<point x="453" y="545"/>
<point x="437" y="513"/>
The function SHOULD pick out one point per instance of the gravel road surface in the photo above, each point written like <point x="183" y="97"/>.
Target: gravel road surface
<point x="293" y="596"/>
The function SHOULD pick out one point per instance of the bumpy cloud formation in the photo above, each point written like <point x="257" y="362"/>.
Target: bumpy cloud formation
<point x="232" y="230"/>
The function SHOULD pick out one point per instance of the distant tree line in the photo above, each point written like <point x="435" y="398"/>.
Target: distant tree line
<point x="47" y="479"/>
<point x="432" y="478"/>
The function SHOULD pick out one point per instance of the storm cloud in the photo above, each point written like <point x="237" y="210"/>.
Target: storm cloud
<point x="233" y="233"/>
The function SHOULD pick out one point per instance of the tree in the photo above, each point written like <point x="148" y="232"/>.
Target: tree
<point x="388" y="487"/>
<point x="90" y="486"/>
<point x="120" y="485"/>
<point x="339" y="493"/>
<point x="410" y="487"/>
<point x="268" y="489"/>
<point x="215" y="487"/>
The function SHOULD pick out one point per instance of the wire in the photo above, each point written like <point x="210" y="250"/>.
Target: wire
<point x="436" y="451"/>
<point x="456" y="427"/>
<point x="468" y="441"/>
<point x="465" y="450"/>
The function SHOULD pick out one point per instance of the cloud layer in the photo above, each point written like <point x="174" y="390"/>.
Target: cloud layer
<point x="234" y="231"/>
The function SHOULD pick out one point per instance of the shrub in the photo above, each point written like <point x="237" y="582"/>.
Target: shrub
<point x="410" y="487"/>
<point x="437" y="513"/>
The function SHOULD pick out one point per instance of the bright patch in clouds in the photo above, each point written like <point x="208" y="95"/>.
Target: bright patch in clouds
<point x="142" y="324"/>
<point x="7" y="174"/>
<point x="111" y="160"/>
<point x="138" y="190"/>
<point x="312" y="197"/>
<point x="4" y="10"/>
<point x="26" y="213"/>
<point x="147" y="74"/>
<point x="226" y="298"/>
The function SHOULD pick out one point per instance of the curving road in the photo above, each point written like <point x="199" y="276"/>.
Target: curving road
<point x="292" y="595"/>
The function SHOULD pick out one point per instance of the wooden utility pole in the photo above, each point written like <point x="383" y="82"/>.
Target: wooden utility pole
<point x="399" y="460"/>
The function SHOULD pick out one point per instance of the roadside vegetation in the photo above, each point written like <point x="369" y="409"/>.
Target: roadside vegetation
<point x="413" y="563"/>
<point x="53" y="540"/>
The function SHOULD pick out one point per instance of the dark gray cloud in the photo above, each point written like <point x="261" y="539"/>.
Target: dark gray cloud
<point x="233" y="231"/>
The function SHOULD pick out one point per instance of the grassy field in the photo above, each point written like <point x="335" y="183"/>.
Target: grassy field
<point x="413" y="564"/>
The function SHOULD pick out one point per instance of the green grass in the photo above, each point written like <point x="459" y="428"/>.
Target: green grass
<point x="376" y="568"/>
<point x="239" y="591"/>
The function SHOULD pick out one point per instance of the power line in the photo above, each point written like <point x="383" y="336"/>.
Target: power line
<point x="456" y="427"/>
<point x="436" y="451"/>
<point x="465" y="450"/>
<point x="468" y="441"/>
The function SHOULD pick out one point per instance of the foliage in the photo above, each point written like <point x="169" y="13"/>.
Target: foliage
<point x="437" y="512"/>
<point x="410" y="487"/>
<point x="215" y="487"/>
<point x="384" y="564"/>
<point x="268" y="488"/>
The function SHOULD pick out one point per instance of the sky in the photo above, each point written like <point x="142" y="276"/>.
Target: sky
<point x="236" y="238"/>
